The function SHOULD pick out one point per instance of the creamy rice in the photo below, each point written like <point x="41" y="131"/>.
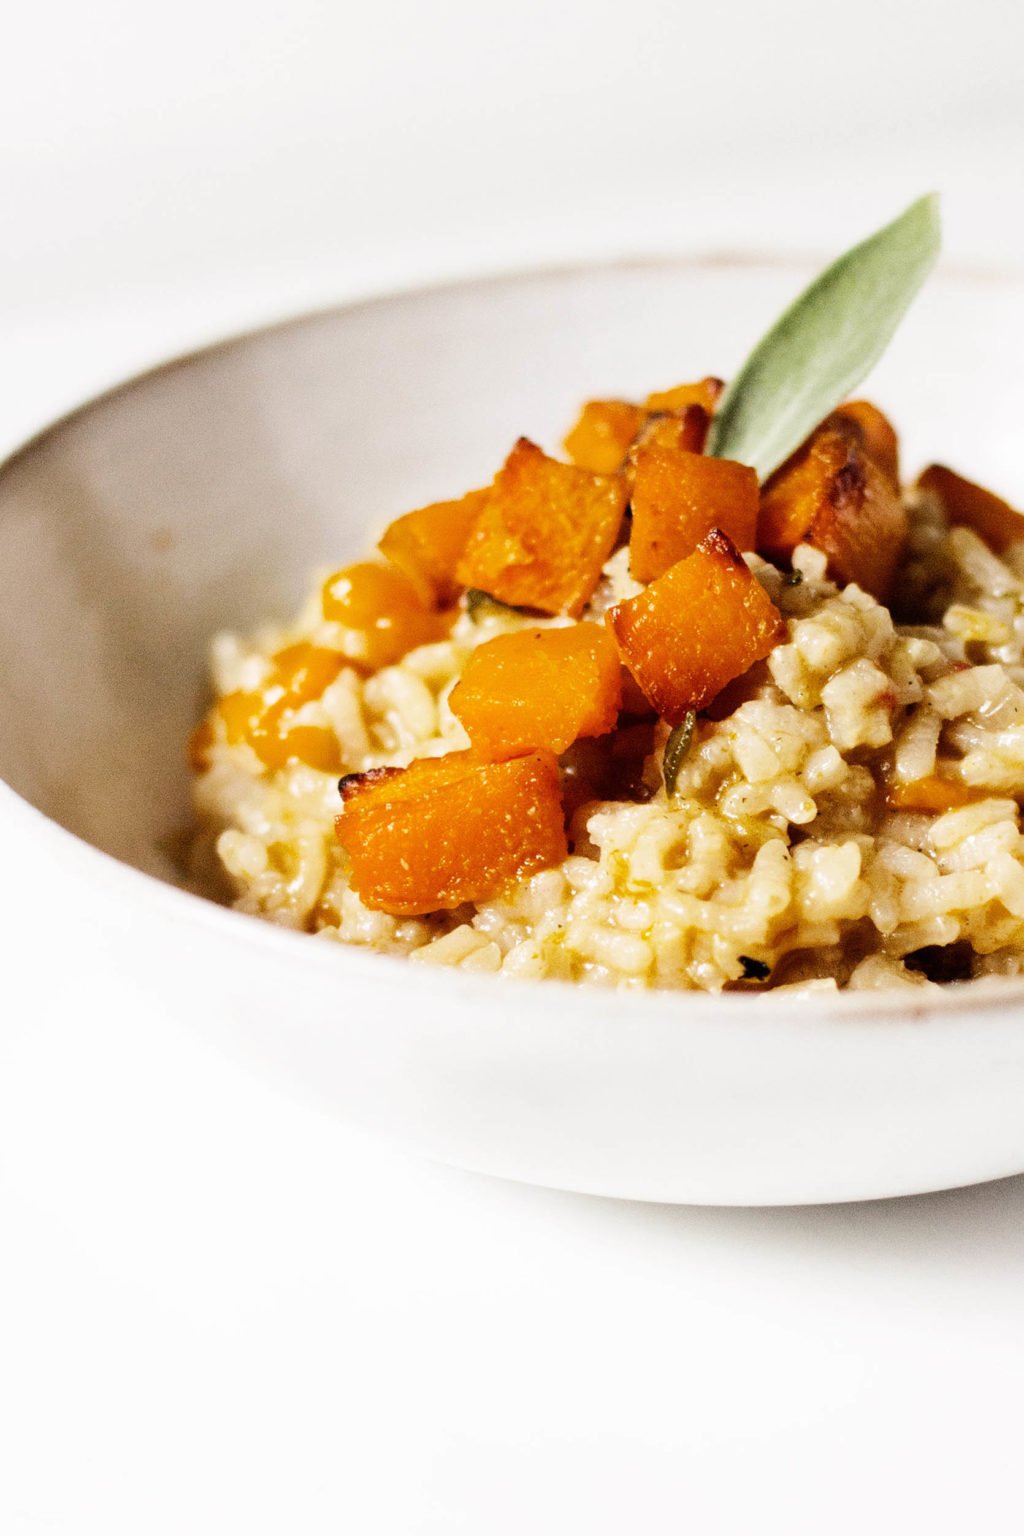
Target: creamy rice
<point x="778" y="861"/>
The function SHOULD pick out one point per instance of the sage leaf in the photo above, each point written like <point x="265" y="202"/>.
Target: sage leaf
<point x="825" y="343"/>
<point x="479" y="604"/>
<point x="677" y="749"/>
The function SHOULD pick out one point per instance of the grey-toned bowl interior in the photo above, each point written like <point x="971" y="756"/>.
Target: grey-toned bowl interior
<point x="205" y="495"/>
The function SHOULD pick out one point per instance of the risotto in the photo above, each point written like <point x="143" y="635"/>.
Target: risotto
<point x="712" y="702"/>
<point x="842" y="811"/>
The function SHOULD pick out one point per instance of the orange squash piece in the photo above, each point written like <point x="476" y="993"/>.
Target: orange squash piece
<point x="833" y="495"/>
<point x="687" y="429"/>
<point x="302" y="672"/>
<point x="600" y="439"/>
<point x="539" y="688"/>
<point x="706" y="393"/>
<point x="313" y="745"/>
<point x="971" y="506"/>
<point x="706" y="621"/>
<point x="258" y="719"/>
<point x="241" y="715"/>
<point x="932" y="795"/>
<point x="384" y="611"/>
<point x="447" y="830"/>
<point x="678" y="497"/>
<point x="427" y="544"/>
<point x="544" y="533"/>
<point x="874" y="431"/>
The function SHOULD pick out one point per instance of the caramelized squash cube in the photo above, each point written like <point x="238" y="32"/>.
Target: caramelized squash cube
<point x="706" y="621"/>
<point x="313" y="745"/>
<point x="601" y="438"/>
<point x="544" y="533"/>
<point x="678" y="497"/>
<point x="241" y="716"/>
<point x="260" y="721"/>
<point x="383" y="612"/>
<point x="874" y="431"/>
<point x="448" y="830"/>
<point x="706" y="393"/>
<point x="427" y="544"/>
<point x="833" y="495"/>
<point x="970" y="506"/>
<point x="303" y="671"/>
<point x="687" y="429"/>
<point x="540" y="688"/>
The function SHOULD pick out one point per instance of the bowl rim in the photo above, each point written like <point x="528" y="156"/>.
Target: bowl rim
<point x="799" y="263"/>
<point x="796" y="1008"/>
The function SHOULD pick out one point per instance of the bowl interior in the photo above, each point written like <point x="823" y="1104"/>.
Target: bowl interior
<point x="205" y="495"/>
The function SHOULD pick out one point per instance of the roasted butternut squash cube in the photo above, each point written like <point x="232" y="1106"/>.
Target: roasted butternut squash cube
<point x="544" y="533"/>
<point x="833" y="495"/>
<point x="687" y="429"/>
<point x="383" y="611"/>
<point x="447" y="830"/>
<point x="600" y="439"/>
<point x="539" y="688"/>
<point x="241" y="715"/>
<point x="313" y="745"/>
<point x="263" y="721"/>
<point x="970" y="506"/>
<point x="427" y="544"/>
<point x="678" y="497"/>
<point x="303" y="671"/>
<point x="706" y="621"/>
<point x="706" y="393"/>
<point x="874" y="431"/>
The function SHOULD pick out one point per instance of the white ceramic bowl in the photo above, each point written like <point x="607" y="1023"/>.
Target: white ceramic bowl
<point x="203" y="495"/>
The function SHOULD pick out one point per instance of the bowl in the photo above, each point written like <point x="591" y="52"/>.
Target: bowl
<point x="203" y="495"/>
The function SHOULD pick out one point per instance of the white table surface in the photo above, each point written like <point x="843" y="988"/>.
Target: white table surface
<point x="218" y="1311"/>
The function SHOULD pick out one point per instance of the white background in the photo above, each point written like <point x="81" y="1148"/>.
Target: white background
<point x="219" y="1312"/>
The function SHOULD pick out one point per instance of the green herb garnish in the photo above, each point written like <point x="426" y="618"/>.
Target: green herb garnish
<point x="677" y="749"/>
<point x="478" y="603"/>
<point x="825" y="343"/>
<point x="754" y="970"/>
